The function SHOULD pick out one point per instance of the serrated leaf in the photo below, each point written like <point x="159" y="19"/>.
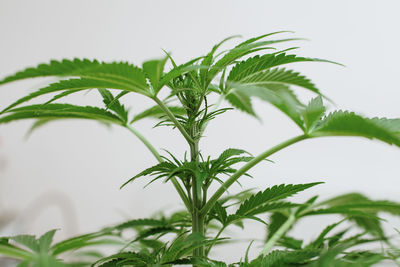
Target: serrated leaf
<point x="71" y="86"/>
<point x="281" y="258"/>
<point x="278" y="95"/>
<point x="259" y="64"/>
<point x="127" y="76"/>
<point x="344" y="123"/>
<point x="240" y="51"/>
<point x="276" y="76"/>
<point x="113" y="104"/>
<point x="123" y="258"/>
<point x="277" y="192"/>
<point x="240" y="101"/>
<point x="60" y="111"/>
<point x="209" y="58"/>
<point x="163" y="168"/>
<point x="28" y="241"/>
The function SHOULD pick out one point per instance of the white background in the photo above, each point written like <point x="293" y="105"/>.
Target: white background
<point x="67" y="175"/>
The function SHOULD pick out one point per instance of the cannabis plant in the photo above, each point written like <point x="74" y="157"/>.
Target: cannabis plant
<point x="251" y="69"/>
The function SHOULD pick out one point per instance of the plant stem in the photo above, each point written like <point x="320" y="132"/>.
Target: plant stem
<point x="152" y="149"/>
<point x="278" y="234"/>
<point x="197" y="217"/>
<point x="221" y="190"/>
<point x="146" y="143"/>
<point x="173" y="119"/>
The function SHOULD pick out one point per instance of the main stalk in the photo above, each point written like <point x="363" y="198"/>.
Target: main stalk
<point x="197" y="217"/>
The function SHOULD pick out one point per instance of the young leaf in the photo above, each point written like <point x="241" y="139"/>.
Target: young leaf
<point x="240" y="51"/>
<point x="209" y="58"/>
<point x="113" y="104"/>
<point x="45" y="241"/>
<point x="313" y="112"/>
<point x="154" y="71"/>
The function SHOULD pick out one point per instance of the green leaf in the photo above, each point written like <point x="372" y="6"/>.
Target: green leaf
<point x="45" y="241"/>
<point x="265" y="207"/>
<point x="240" y="101"/>
<point x="122" y="259"/>
<point x="68" y="86"/>
<point x="14" y="252"/>
<point x="36" y="125"/>
<point x="313" y="112"/>
<point x="278" y="95"/>
<point x="140" y="222"/>
<point x="28" y="241"/>
<point x="178" y="71"/>
<point x="240" y="51"/>
<point x="209" y="58"/>
<point x="344" y="123"/>
<point x="371" y="207"/>
<point x="157" y="112"/>
<point x="125" y="75"/>
<point x="113" y="104"/>
<point x="258" y="64"/>
<point x="277" y="192"/>
<point x="154" y="71"/>
<point x="77" y="242"/>
<point x="281" y="258"/>
<point x="162" y="169"/>
<point x="318" y="242"/>
<point x="60" y="111"/>
<point x="275" y="76"/>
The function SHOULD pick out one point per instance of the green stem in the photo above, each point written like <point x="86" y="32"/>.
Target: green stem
<point x="146" y="143"/>
<point x="173" y="119"/>
<point x="278" y="234"/>
<point x="221" y="190"/>
<point x="197" y="217"/>
<point x="152" y="149"/>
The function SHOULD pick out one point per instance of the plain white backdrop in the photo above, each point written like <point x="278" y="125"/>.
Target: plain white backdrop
<point x="67" y="175"/>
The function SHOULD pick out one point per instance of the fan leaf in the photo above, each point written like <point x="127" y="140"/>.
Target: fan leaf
<point x="344" y="123"/>
<point x="125" y="75"/>
<point x="60" y="111"/>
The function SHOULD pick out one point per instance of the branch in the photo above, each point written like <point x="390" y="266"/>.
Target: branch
<point x="173" y="119"/>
